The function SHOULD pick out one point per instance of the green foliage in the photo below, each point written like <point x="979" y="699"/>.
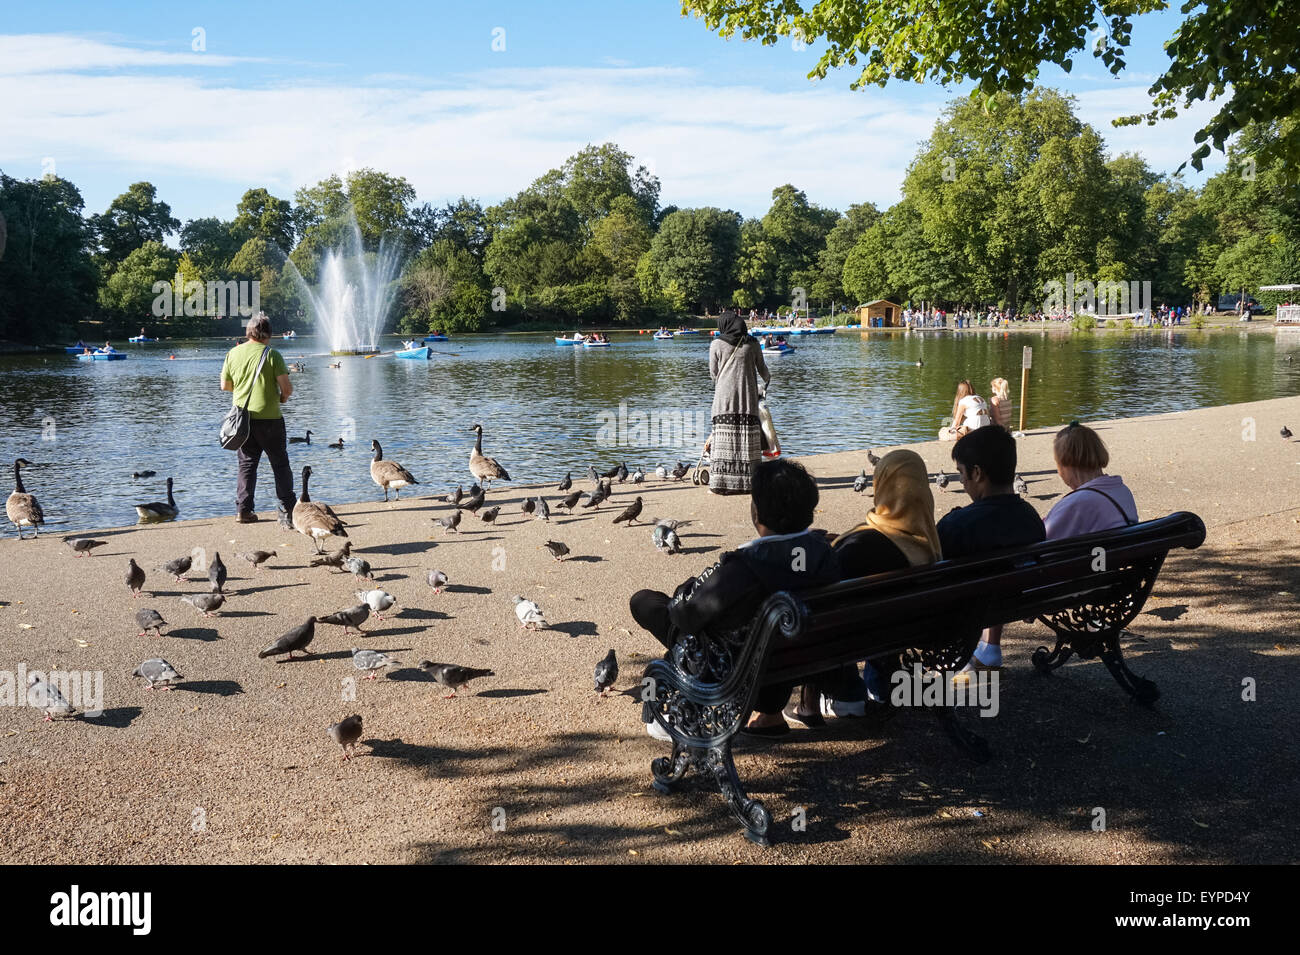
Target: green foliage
<point x="261" y="215"/>
<point x="697" y="249"/>
<point x="132" y="219"/>
<point x="128" y="294"/>
<point x="1083" y="322"/>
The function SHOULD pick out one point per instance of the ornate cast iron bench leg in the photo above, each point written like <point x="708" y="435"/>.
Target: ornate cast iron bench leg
<point x="668" y="770"/>
<point x="1045" y="662"/>
<point x="1141" y="689"/>
<point x="753" y="815"/>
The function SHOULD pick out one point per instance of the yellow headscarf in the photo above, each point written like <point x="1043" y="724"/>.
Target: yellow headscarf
<point x="904" y="507"/>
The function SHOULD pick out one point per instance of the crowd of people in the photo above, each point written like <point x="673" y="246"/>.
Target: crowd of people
<point x="899" y="531"/>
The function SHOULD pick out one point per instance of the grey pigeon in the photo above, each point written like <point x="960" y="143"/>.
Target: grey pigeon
<point x="377" y="600"/>
<point x="542" y="510"/>
<point x="296" y="639"/>
<point x="529" y="614"/>
<point x="474" y="490"/>
<point x="860" y="482"/>
<point x="349" y="618"/>
<point x="571" y="500"/>
<point x="528" y="506"/>
<point x="147" y="620"/>
<point x="638" y="476"/>
<point x="451" y="676"/>
<point x="1286" y="432"/>
<point x="359" y="567"/>
<point x="257" y="557"/>
<point x="437" y="580"/>
<point x="346" y="733"/>
<point x="941" y="480"/>
<point x="83" y="546"/>
<point x="606" y="673"/>
<point x="335" y="559"/>
<point x="630" y="513"/>
<point x="178" y="568"/>
<point x="46" y="696"/>
<point x="598" y="496"/>
<point x="566" y="483"/>
<point x="490" y="514"/>
<point x="558" y="551"/>
<point x="455" y="496"/>
<point x="1020" y="486"/>
<point x="134" y="577"/>
<point x="371" y="661"/>
<point x="621" y="473"/>
<point x="665" y="535"/>
<point x="473" y="502"/>
<point x="612" y="471"/>
<point x="872" y="459"/>
<point x="217" y="573"/>
<point x="158" y="672"/>
<point x="451" y="522"/>
<point x="679" y="472"/>
<point x="592" y="475"/>
<point x="205" y="603"/>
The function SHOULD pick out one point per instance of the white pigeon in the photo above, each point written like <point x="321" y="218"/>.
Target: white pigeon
<point x="661" y="473"/>
<point x="529" y="614"/>
<point x="158" y="672"/>
<point x="378" y="600"/>
<point x="371" y="661"/>
<point x="46" y="696"/>
<point x="638" y="476"/>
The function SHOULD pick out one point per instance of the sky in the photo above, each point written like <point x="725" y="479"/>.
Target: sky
<point x="208" y="100"/>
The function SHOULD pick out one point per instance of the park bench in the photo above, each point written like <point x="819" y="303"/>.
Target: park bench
<point x="1086" y="589"/>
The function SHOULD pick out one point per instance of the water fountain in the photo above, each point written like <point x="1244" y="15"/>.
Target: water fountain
<point x="354" y="294"/>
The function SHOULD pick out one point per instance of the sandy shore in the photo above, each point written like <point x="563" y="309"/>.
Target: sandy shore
<point x="235" y="766"/>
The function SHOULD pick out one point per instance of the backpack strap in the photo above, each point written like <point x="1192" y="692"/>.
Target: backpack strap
<point x="1122" y="512"/>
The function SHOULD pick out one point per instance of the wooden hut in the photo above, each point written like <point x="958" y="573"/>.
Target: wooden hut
<point x="880" y="313"/>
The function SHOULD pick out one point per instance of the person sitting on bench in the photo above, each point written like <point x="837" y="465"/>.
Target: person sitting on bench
<point x="1097" y="501"/>
<point x="786" y="555"/>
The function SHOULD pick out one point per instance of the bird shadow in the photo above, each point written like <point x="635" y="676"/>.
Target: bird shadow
<point x="332" y="654"/>
<point x="393" y="632"/>
<point x="577" y="628"/>
<point x="408" y="547"/>
<point x="467" y="589"/>
<point x="697" y="550"/>
<point x="510" y="694"/>
<point x="206" y="634"/>
<point x="1168" y="613"/>
<point x="584" y="559"/>
<point x="1043" y="497"/>
<point x="258" y="590"/>
<point x="216" y="687"/>
<point x="247" y="613"/>
<point x="417" y="613"/>
<point x="409" y="675"/>
<point x="120" y="717"/>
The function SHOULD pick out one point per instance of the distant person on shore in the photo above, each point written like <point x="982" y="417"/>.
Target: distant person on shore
<point x="786" y="555"/>
<point x="735" y="445"/>
<point x="969" y="411"/>
<point x="266" y="429"/>
<point x="1000" y="403"/>
<point x="1097" y="501"/>
<point x="996" y="519"/>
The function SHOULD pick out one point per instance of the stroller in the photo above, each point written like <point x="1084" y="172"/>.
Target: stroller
<point x="771" y="445"/>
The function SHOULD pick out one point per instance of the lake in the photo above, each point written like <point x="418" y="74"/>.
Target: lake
<point x="548" y="409"/>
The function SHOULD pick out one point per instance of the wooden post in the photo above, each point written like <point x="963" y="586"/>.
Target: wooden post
<point x="1026" y="362"/>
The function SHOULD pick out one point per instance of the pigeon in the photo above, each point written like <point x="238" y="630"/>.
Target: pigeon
<point x="566" y="483"/>
<point x="872" y="458"/>
<point x="473" y="502"/>
<point x="377" y="600"/>
<point x="475" y="488"/>
<point x="147" y="620"/>
<point x="490" y="515"/>
<point x="558" y="551"/>
<point x="941" y="480"/>
<point x="335" y="559"/>
<point x="679" y="472"/>
<point x="570" y="501"/>
<point x="371" y="661"/>
<point x="621" y="472"/>
<point x="143" y="474"/>
<point x="450" y="522"/>
<point x="606" y="673"/>
<point x="437" y="580"/>
<point x="630" y="513"/>
<point x="593" y="475"/>
<point x="296" y="639"/>
<point x="359" y="567"/>
<point x="661" y="473"/>
<point x="347" y="619"/>
<point x="638" y="476"/>
<point x="665" y="535"/>
<point x="1286" y="433"/>
<point x="134" y="577"/>
<point x="346" y="733"/>
<point x="83" y="546"/>
<point x="217" y="573"/>
<point x="542" y="510"/>
<point x="205" y="603"/>
<point x="597" y="497"/>
<point x="46" y="696"/>
<point x="158" y="672"/>
<point x="860" y="482"/>
<point x="1020" y="486"/>
<point x="257" y="557"/>
<point x="528" y="506"/>
<point x="178" y="568"/>
<point x="451" y="676"/>
<point x="455" y="496"/>
<point x="529" y="614"/>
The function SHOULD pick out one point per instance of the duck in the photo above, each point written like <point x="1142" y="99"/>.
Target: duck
<point x="159" y="510"/>
<point x="388" y="473"/>
<point x="22" y="507"/>
<point x="483" y="468"/>
<point x="338" y="444"/>
<point x="314" y="519"/>
<point x="304" y="440"/>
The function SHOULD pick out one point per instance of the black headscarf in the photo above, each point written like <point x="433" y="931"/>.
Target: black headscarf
<point x="732" y="330"/>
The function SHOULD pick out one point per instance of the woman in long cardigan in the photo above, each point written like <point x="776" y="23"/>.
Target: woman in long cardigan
<point x="735" y="446"/>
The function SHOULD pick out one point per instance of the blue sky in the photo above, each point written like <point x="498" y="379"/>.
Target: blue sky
<point x="285" y="94"/>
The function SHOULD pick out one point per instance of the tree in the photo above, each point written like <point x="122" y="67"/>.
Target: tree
<point x="380" y="203"/>
<point x="132" y="219"/>
<point x="263" y="216"/>
<point x="827" y="282"/>
<point x="696" y="249"/>
<point x="1239" y="51"/>
<point x="756" y="267"/>
<point x="210" y="243"/>
<point x="795" y="232"/>
<point x="128" y="294"/>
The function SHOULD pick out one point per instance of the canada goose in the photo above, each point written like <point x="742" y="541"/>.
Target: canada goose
<point x="159" y="510"/>
<point x="483" y="468"/>
<point x="388" y="473"/>
<point x="21" y="506"/>
<point x="306" y="440"/>
<point x="313" y="519"/>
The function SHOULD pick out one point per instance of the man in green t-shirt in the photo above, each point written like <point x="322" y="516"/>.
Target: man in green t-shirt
<point x="266" y="428"/>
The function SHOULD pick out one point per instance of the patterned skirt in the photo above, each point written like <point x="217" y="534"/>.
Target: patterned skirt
<point x="737" y="447"/>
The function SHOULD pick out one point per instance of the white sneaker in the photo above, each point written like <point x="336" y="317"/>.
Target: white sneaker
<point x="842" y="709"/>
<point x="658" y="732"/>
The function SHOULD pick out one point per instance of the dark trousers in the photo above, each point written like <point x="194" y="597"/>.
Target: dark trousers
<point x="650" y="611"/>
<point x="265" y="435"/>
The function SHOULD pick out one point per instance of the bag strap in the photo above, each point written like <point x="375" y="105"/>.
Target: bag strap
<point x="256" y="374"/>
<point x="1122" y="512"/>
